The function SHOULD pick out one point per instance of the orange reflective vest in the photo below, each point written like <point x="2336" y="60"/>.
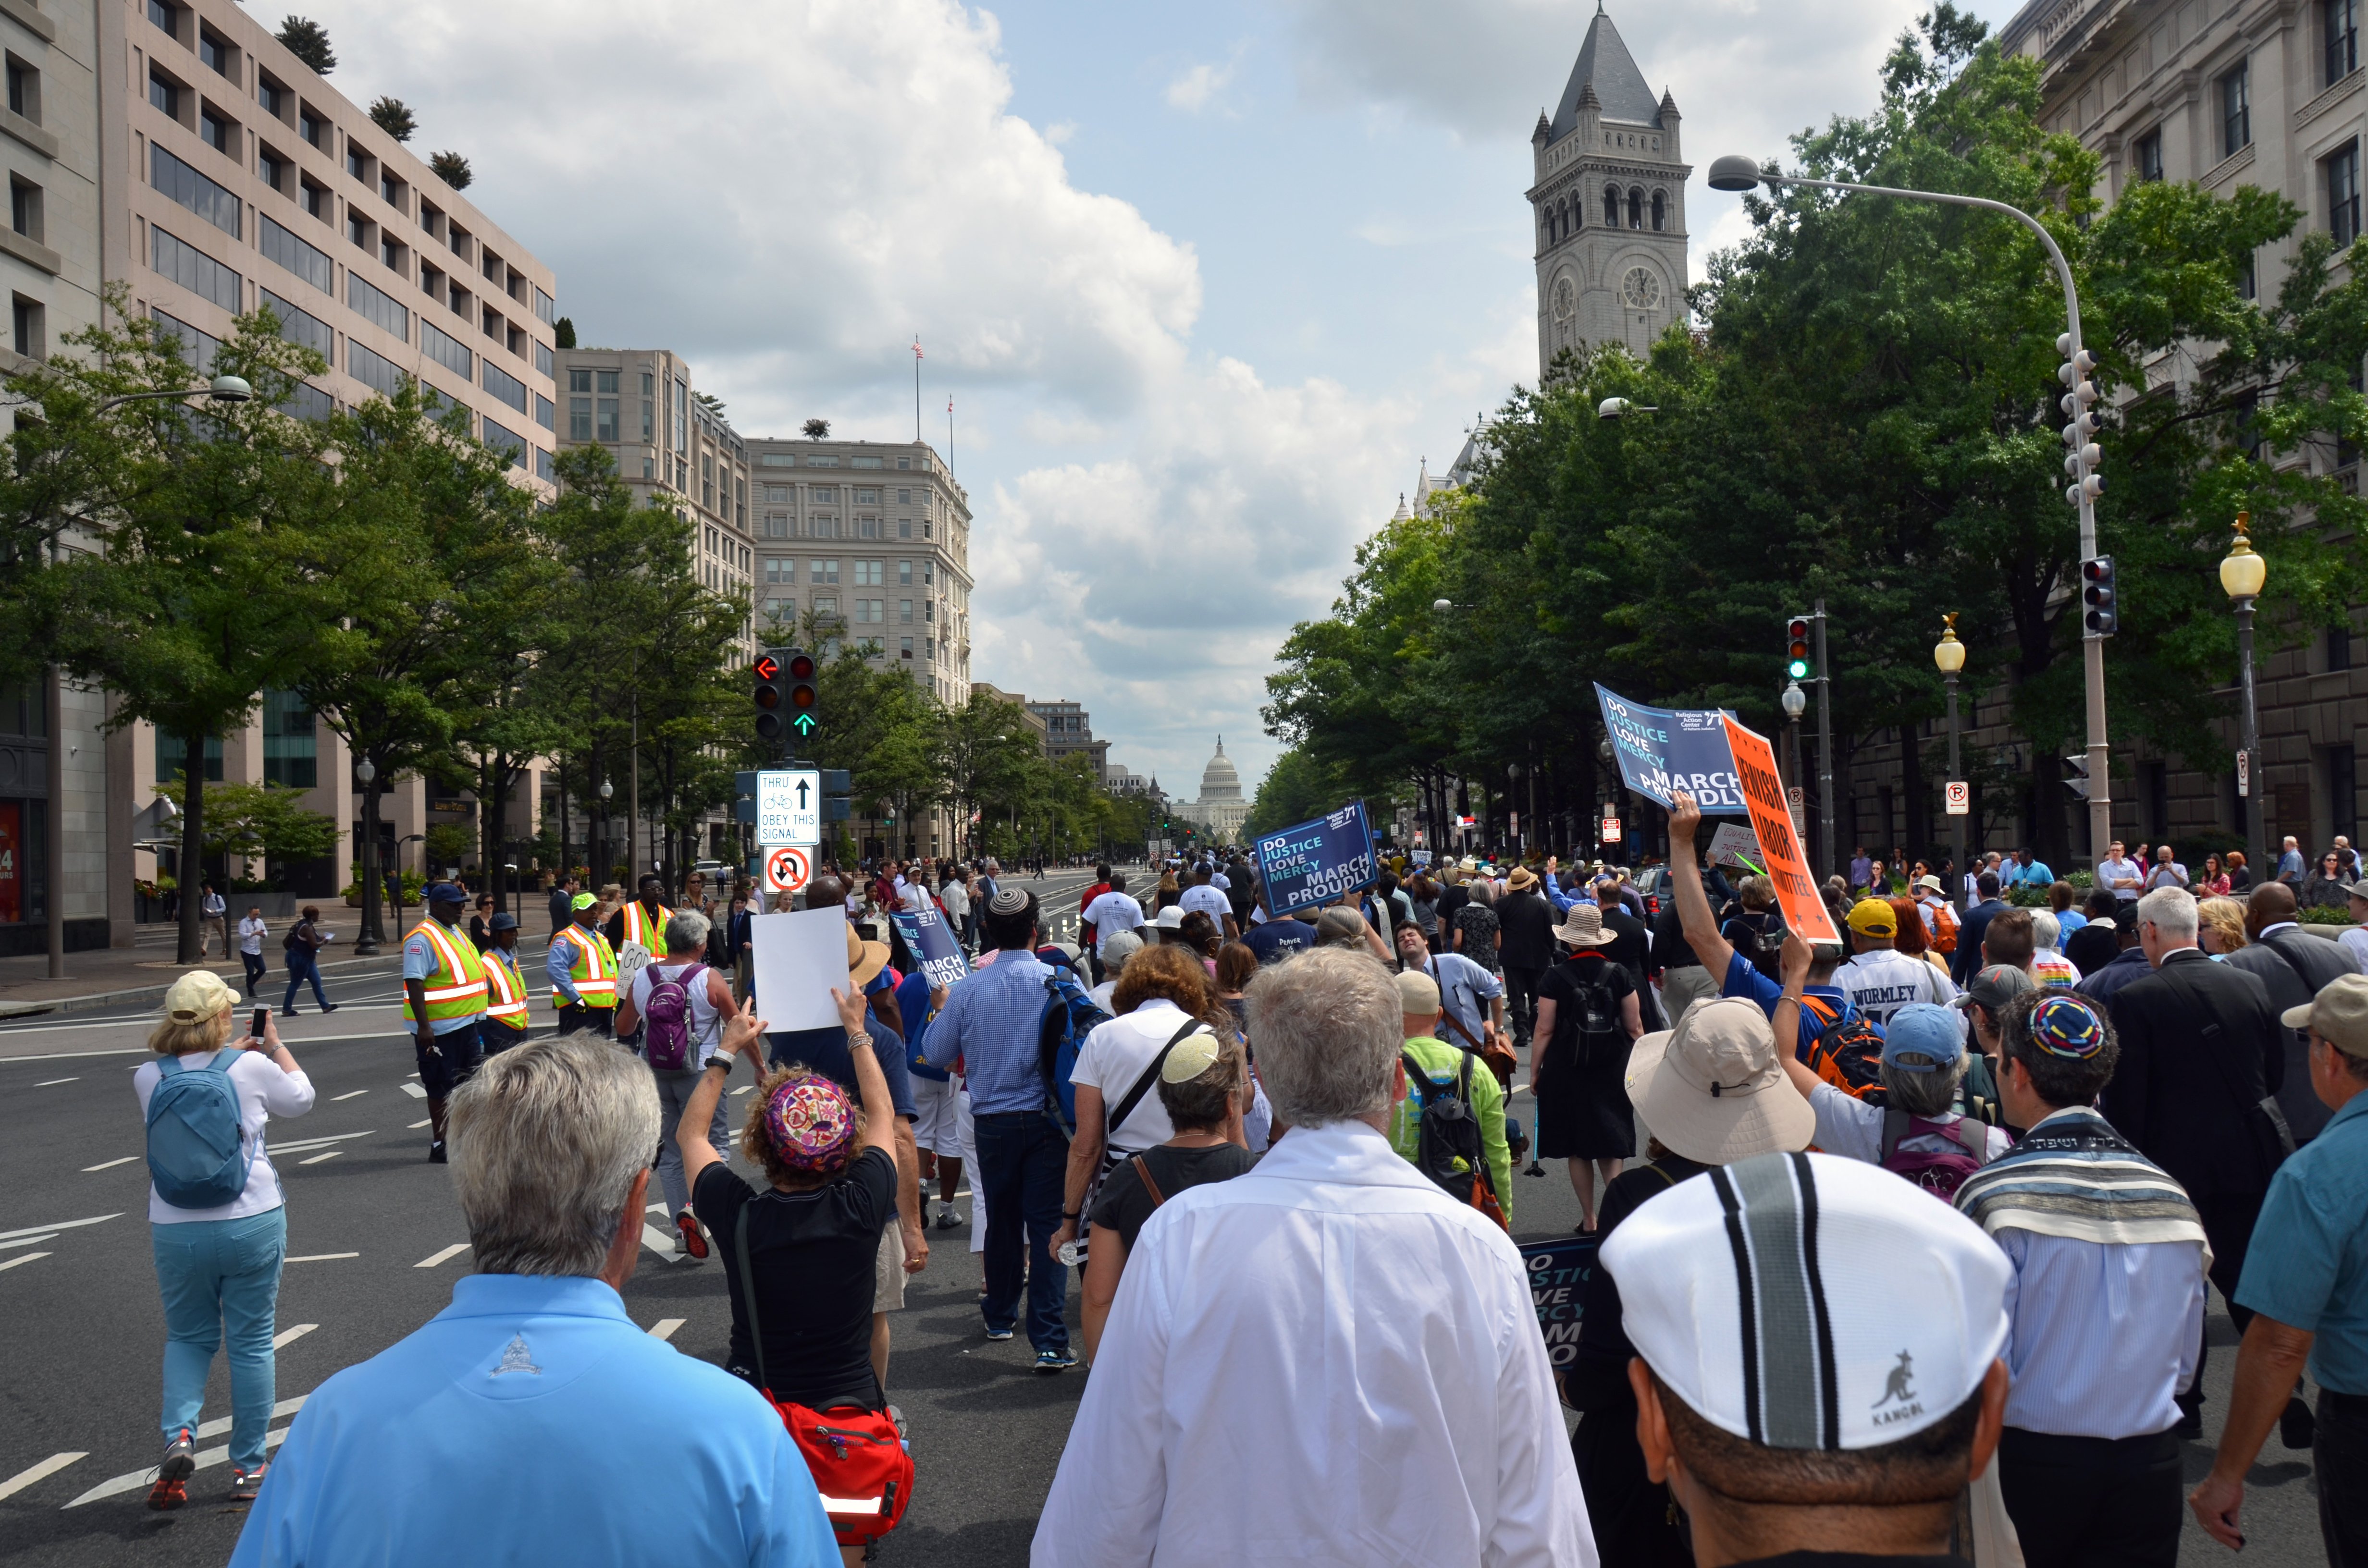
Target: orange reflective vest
<point x="591" y="968"/>
<point x="457" y="989"/>
<point x="647" y="930"/>
<point x="505" y="993"/>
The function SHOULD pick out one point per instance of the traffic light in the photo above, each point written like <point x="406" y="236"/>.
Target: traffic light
<point x="768" y="695"/>
<point x="2082" y="454"/>
<point x="2100" y="606"/>
<point x="1796" y="647"/>
<point x="804" y="718"/>
<point x="2076" y="776"/>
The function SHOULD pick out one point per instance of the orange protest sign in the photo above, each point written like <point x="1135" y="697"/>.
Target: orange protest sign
<point x="1772" y="819"/>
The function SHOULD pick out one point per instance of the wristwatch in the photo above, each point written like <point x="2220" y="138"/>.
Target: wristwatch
<point x="1071" y="1213"/>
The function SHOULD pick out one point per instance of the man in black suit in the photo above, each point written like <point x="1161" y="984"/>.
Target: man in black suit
<point x="1527" y="949"/>
<point x="1633" y="951"/>
<point x="2295" y="966"/>
<point x="2201" y="1048"/>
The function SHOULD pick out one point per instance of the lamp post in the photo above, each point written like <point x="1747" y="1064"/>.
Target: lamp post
<point x="1950" y="655"/>
<point x="2242" y="573"/>
<point x="1737" y="173"/>
<point x="1795" y="702"/>
<point x="367" y="942"/>
<point x="221" y="389"/>
<point x="607" y="832"/>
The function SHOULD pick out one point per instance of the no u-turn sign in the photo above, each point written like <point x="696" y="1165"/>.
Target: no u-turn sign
<point x="787" y="870"/>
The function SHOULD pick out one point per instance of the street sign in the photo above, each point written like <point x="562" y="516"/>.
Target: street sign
<point x="1611" y="833"/>
<point x="1960" y="799"/>
<point x="786" y="869"/>
<point x="789" y="806"/>
<point x="2244" y="775"/>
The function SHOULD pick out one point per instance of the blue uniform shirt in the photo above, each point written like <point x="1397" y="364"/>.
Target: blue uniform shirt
<point x="2307" y="1263"/>
<point x="532" y="1421"/>
<point x="421" y="961"/>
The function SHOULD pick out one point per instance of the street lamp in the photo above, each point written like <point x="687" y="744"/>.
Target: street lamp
<point x="221" y="389"/>
<point x="366" y="943"/>
<point x="2242" y="573"/>
<point x="1950" y="655"/>
<point x="1795" y="702"/>
<point x="1621" y="408"/>
<point x="1735" y="171"/>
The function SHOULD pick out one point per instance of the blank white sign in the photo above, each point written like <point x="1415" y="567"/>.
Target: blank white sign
<point x="800" y="956"/>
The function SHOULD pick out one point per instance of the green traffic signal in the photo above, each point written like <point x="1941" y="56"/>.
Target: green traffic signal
<point x="1798" y="669"/>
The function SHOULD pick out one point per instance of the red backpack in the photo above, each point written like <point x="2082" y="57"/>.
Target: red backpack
<point x="1938" y="1171"/>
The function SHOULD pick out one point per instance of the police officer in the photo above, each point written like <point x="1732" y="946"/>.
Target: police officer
<point x="506" y="1014"/>
<point x="582" y="970"/>
<point x="443" y="1002"/>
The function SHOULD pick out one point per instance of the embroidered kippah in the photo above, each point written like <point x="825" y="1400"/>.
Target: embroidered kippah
<point x="1007" y="901"/>
<point x="2065" y="1026"/>
<point x="808" y="1121"/>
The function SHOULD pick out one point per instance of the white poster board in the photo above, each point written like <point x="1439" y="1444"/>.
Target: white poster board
<point x="1733" y="845"/>
<point x="800" y="956"/>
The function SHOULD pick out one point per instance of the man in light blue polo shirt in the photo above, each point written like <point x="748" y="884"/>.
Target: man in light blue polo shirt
<point x="2307" y="1281"/>
<point x="532" y="1421"/>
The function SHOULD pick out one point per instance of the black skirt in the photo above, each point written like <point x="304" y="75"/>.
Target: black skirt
<point x="1583" y="1113"/>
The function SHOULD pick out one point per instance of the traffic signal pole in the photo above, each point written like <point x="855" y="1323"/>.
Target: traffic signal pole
<point x="1824" y="748"/>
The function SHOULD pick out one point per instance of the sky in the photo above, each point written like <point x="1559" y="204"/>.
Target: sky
<point x="1206" y="284"/>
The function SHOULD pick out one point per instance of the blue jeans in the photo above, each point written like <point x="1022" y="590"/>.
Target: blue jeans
<point x="219" y="1275"/>
<point x="1023" y="1157"/>
<point x="302" y="966"/>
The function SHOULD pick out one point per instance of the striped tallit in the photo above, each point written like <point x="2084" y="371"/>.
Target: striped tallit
<point x="2074" y="1176"/>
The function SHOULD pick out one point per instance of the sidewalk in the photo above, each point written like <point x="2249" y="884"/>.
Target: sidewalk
<point x="109" y="977"/>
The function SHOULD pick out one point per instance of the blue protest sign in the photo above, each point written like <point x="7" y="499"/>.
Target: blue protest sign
<point x="932" y="946"/>
<point x="1559" y="1271"/>
<point x="1316" y="862"/>
<point x="1662" y="750"/>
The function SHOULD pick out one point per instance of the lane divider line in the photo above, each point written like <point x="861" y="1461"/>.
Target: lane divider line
<point x="30" y="1240"/>
<point x="354" y="1095"/>
<point x="662" y="1329"/>
<point x="415" y="1091"/>
<point x="53" y="1083"/>
<point x="22" y="1258"/>
<point x="417" y="1125"/>
<point x="320" y="1257"/>
<point x="318" y="1158"/>
<point x="281" y="1341"/>
<point x="42" y="1471"/>
<point x="61" y="1225"/>
<point x="221" y="1424"/>
<point x="432" y="1259"/>
<point x="132" y="1482"/>
<point x="109" y="1164"/>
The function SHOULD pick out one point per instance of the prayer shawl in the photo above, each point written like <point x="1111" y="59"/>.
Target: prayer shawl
<point x="2074" y="1176"/>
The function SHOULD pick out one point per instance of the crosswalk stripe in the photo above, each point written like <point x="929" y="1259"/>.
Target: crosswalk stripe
<point x="22" y="1258"/>
<point x="320" y="1257"/>
<point x="318" y="1158"/>
<point x="61" y="1225"/>
<point x="432" y="1259"/>
<point x="42" y="1471"/>
<point x="109" y="1164"/>
<point x="354" y="1095"/>
<point x="417" y="1125"/>
<point x="415" y="1091"/>
<point x="30" y="1240"/>
<point x="221" y="1423"/>
<point x="657" y="1241"/>
<point x="53" y="1083"/>
<point x="287" y="1336"/>
<point x="662" y="1329"/>
<point x="298" y="1145"/>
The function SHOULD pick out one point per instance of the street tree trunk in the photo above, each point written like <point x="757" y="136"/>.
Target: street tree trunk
<point x="192" y="941"/>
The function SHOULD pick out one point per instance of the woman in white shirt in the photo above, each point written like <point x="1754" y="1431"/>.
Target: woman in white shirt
<point x="217" y="1265"/>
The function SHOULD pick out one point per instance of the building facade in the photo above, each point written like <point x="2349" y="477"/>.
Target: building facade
<point x="1608" y="203"/>
<point x="871" y="540"/>
<point x="1069" y="732"/>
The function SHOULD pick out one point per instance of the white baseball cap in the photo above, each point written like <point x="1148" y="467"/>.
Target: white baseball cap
<point x="1810" y="1301"/>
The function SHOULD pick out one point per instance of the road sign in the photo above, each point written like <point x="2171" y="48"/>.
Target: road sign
<point x="786" y="869"/>
<point x="789" y="806"/>
<point x="1611" y="833"/>
<point x="2244" y="774"/>
<point x="1960" y="799"/>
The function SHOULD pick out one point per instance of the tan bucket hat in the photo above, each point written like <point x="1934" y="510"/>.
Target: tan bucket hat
<point x="1583" y="927"/>
<point x="1713" y="1090"/>
<point x="864" y="959"/>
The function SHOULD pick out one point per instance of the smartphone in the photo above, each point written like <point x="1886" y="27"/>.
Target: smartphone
<point x="261" y="1014"/>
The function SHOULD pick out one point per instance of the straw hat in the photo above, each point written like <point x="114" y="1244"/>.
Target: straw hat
<point x="1712" y="1089"/>
<point x="1583" y="927"/>
<point x="864" y="959"/>
<point x="1521" y="881"/>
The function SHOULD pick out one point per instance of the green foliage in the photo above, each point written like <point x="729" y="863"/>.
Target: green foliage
<point x="564" y="329"/>
<point x="447" y="844"/>
<point x="1296" y="788"/>
<point x="2325" y="918"/>
<point x="258" y="822"/>
<point x="394" y="116"/>
<point x="454" y="170"/>
<point x="309" y="42"/>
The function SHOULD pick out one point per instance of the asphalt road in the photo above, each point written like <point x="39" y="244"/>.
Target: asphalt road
<point x="375" y="1241"/>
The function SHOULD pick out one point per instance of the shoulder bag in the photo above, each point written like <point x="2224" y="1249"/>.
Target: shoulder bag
<point x="1499" y="1060"/>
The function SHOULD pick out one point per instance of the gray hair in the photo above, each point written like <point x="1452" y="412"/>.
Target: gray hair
<point x="2170" y="911"/>
<point x="687" y="932"/>
<point x="546" y="1140"/>
<point x="1931" y="1094"/>
<point x="2045" y="927"/>
<point x="1327" y="1029"/>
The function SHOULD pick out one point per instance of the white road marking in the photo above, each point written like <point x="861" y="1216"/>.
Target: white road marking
<point x="355" y="1096"/>
<point x="417" y="1125"/>
<point x="662" y="1329"/>
<point x="320" y="1257"/>
<point x="109" y="1164"/>
<point x="26" y="1258"/>
<point x="52" y="1082"/>
<point x="298" y="1145"/>
<point x="221" y="1423"/>
<point x="657" y="1241"/>
<point x="415" y="1091"/>
<point x="140" y="1478"/>
<point x="744" y="1088"/>
<point x="32" y="1241"/>
<point x="654" y="1208"/>
<point x="432" y="1259"/>
<point x="318" y="1158"/>
<point x="61" y="1225"/>
<point x="42" y="1471"/>
<point x="281" y="1341"/>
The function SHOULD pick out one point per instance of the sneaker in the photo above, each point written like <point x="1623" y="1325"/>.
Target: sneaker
<point x="948" y="1218"/>
<point x="330" y="1008"/>
<point x="688" y="1239"/>
<point x="903" y="1429"/>
<point x="998" y="1334"/>
<point x="436" y="1152"/>
<point x="245" y="1484"/>
<point x="1055" y="1360"/>
<point x="173" y="1472"/>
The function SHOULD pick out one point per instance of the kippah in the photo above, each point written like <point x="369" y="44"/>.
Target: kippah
<point x="1007" y="901"/>
<point x="2064" y="1025"/>
<point x="1193" y="1055"/>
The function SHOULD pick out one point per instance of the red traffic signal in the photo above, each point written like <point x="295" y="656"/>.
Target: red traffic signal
<point x="802" y="667"/>
<point x="766" y="668"/>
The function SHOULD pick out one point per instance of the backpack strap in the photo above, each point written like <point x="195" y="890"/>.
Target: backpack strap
<point x="1974" y="1134"/>
<point x="1143" y="1084"/>
<point x="1418" y="1077"/>
<point x="748" y="1293"/>
<point x="1894" y="1128"/>
<point x="1143" y="1175"/>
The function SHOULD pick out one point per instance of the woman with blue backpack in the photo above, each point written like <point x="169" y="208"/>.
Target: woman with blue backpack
<point x="218" y="1222"/>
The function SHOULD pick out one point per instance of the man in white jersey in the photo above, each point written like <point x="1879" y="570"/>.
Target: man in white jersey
<point x="1880" y="980"/>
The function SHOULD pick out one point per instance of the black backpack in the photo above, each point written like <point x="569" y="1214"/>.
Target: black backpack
<point x="1447" y="1131"/>
<point x="1761" y="942"/>
<point x="1597" y="1034"/>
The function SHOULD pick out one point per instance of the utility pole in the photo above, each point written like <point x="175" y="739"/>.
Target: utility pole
<point x="1824" y="748"/>
<point x="633" y="809"/>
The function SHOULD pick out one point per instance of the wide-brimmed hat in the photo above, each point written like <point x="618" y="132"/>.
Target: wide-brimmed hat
<point x="864" y="959"/>
<point x="1930" y="883"/>
<point x="1712" y="1089"/>
<point x="1521" y="881"/>
<point x="1583" y="927"/>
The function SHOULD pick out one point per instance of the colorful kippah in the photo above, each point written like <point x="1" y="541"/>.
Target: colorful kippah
<point x="2065" y="1027"/>
<point x="809" y="1123"/>
<point x="1007" y="901"/>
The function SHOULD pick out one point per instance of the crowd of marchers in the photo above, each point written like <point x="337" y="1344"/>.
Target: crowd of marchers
<point x="1912" y="1265"/>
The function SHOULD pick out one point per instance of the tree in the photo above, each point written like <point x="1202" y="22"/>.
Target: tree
<point x="563" y="330"/>
<point x="816" y="430"/>
<point x="394" y="116"/>
<point x="1295" y="789"/>
<point x="188" y="510"/>
<point x="309" y="42"/>
<point x="454" y="170"/>
<point x="260" y="822"/>
<point x="984" y="748"/>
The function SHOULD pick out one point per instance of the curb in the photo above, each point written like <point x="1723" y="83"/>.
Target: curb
<point x="93" y="1001"/>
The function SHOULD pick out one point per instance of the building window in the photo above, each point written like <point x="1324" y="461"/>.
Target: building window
<point x="508" y="388"/>
<point x="313" y="198"/>
<point x="24" y="90"/>
<point x="2342" y="792"/>
<point x="1660" y="212"/>
<point x="301" y="326"/>
<point x="166" y="16"/>
<point x="2236" y="112"/>
<point x="305" y="261"/>
<point x="607" y="381"/>
<point x="608" y="426"/>
<point x="2338" y="647"/>
<point x="505" y="440"/>
<point x="172" y="756"/>
<point x="165" y="94"/>
<point x="2249" y="283"/>
<point x="25" y="208"/>
<point x="1635" y="209"/>
<point x="272" y="97"/>
<point x="2148" y="161"/>
<point x="546" y="413"/>
<point x="193" y="269"/>
<point x="906" y="651"/>
<point x="776" y="524"/>
<point x="218" y="133"/>
<point x="824" y="571"/>
<point x="2343" y="194"/>
<point x="28" y="319"/>
<point x="271" y="168"/>
<point x="447" y="350"/>
<point x="291" y="751"/>
<point x="2341" y="21"/>
<point x="378" y="306"/>
<point x="904" y="613"/>
<point x="543" y="357"/>
<point x="357" y="163"/>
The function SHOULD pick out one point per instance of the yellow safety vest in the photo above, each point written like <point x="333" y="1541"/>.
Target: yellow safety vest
<point x="457" y="989"/>
<point x="591" y="966"/>
<point x="650" y="933"/>
<point x="506" y="1001"/>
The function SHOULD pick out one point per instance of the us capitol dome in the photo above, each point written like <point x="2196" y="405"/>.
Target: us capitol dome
<point x="1221" y="808"/>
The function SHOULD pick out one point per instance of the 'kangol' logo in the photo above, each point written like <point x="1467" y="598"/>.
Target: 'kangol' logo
<point x="1897" y="1386"/>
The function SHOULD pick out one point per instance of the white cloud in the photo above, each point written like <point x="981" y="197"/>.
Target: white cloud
<point x="1198" y="86"/>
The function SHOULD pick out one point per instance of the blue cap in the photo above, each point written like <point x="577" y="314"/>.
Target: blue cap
<point x="1922" y="1038"/>
<point x="445" y="892"/>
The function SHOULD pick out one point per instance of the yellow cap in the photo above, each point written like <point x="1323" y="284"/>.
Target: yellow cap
<point x="582" y="900"/>
<point x="197" y="997"/>
<point x="1872" y="917"/>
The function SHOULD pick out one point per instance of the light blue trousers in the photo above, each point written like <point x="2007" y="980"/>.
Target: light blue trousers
<point x="220" y="1275"/>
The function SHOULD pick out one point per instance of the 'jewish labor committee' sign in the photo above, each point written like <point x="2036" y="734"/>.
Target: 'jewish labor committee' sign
<point x="1788" y="867"/>
<point x="1317" y="862"/>
<point x="1662" y="750"/>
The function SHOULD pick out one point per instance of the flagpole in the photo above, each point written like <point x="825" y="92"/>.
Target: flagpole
<point x="950" y="435"/>
<point x="916" y="389"/>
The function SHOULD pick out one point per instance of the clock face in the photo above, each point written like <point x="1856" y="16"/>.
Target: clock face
<point x="1566" y="299"/>
<point x="1641" y="289"/>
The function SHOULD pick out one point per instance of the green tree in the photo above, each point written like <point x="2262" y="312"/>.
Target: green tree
<point x="309" y="42"/>
<point x="984" y="748"/>
<point x="394" y="116"/>
<point x="260" y="822"/>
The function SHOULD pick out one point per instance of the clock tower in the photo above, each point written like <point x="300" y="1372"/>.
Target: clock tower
<point x="1608" y="200"/>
